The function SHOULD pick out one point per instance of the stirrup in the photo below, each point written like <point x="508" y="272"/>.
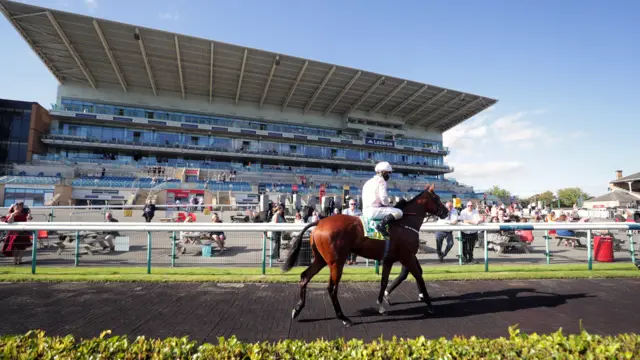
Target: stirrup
<point x="383" y="230"/>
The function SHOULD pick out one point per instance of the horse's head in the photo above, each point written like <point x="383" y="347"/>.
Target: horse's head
<point x="431" y="202"/>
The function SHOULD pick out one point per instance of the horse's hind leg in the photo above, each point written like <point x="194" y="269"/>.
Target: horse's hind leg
<point x="334" y="280"/>
<point x="306" y="276"/>
<point x="384" y="280"/>
<point x="416" y="271"/>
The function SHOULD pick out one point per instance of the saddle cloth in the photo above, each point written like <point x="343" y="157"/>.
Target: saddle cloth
<point x="369" y="226"/>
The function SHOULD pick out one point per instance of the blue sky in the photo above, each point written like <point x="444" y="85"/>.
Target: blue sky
<point x="566" y="72"/>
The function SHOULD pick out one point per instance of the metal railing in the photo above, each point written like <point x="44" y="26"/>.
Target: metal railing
<point x="266" y="228"/>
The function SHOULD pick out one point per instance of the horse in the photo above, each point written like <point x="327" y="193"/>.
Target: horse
<point x="335" y="237"/>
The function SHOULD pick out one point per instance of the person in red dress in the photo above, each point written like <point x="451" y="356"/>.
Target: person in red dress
<point x="17" y="241"/>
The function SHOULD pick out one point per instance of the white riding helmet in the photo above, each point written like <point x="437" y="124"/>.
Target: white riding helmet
<point x="383" y="166"/>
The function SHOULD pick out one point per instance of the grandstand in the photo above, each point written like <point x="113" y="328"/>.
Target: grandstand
<point x="146" y="114"/>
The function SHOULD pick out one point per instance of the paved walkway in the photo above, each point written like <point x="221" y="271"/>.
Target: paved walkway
<point x="255" y="312"/>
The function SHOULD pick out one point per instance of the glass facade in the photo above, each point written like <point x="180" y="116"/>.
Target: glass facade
<point x="249" y="146"/>
<point x="15" y="122"/>
<point x="30" y="196"/>
<point x="115" y="110"/>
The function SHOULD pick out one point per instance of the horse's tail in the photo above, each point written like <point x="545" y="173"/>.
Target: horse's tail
<point x="293" y="255"/>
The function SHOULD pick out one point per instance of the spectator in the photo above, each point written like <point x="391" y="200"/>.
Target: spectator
<point x="218" y="236"/>
<point x="17" y="242"/>
<point x="562" y="219"/>
<point x="525" y="235"/>
<point x="451" y="219"/>
<point x="149" y="211"/>
<point x="352" y="210"/>
<point x="276" y="236"/>
<point x="469" y="216"/>
<point x="109" y="237"/>
<point x="314" y="217"/>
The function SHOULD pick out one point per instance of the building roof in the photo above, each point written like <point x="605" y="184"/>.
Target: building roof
<point x="632" y="177"/>
<point x="97" y="52"/>
<point x="617" y="195"/>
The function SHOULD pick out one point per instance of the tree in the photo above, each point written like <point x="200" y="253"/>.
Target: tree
<point x="546" y="197"/>
<point x="500" y="193"/>
<point x="524" y="202"/>
<point x="570" y="196"/>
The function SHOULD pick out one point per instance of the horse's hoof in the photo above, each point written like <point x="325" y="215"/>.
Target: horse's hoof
<point x="386" y="299"/>
<point x="431" y="309"/>
<point x="347" y="323"/>
<point x="294" y="314"/>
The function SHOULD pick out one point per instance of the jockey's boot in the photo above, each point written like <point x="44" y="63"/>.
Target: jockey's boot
<point x="382" y="226"/>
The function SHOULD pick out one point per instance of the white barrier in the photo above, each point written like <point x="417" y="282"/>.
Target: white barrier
<point x="264" y="227"/>
<point x="132" y="207"/>
<point x="289" y="227"/>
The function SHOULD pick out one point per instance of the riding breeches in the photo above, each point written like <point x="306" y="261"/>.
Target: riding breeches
<point x="380" y="212"/>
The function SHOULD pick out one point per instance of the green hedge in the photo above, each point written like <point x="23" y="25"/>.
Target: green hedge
<point x="36" y="345"/>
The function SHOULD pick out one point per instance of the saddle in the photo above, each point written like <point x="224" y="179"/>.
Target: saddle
<point x="369" y="226"/>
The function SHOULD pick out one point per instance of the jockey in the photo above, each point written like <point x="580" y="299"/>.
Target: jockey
<point x="375" y="200"/>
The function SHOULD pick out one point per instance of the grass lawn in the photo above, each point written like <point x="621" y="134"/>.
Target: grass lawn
<point x="357" y="274"/>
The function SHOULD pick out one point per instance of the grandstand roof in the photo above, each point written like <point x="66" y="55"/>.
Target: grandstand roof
<point x="100" y="53"/>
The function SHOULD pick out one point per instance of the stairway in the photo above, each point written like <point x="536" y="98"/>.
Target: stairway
<point x="224" y="198"/>
<point x="142" y="197"/>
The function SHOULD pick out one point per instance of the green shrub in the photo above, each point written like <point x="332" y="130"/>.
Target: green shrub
<point x="36" y="345"/>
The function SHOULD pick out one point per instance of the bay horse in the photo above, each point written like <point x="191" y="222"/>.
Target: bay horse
<point x="335" y="237"/>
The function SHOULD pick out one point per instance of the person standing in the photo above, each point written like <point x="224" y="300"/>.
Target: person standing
<point x="469" y="216"/>
<point x="352" y="210"/>
<point x="451" y="219"/>
<point x="149" y="211"/>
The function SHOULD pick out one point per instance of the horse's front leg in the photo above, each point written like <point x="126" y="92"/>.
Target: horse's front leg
<point x="384" y="280"/>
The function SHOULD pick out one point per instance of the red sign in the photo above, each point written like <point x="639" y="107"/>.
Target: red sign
<point x="294" y="187"/>
<point x="191" y="172"/>
<point x="179" y="193"/>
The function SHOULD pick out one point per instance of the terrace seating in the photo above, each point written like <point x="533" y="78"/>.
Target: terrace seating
<point x="30" y="180"/>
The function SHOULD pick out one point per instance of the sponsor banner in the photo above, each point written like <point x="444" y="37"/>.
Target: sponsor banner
<point x="156" y="122"/>
<point x="191" y="172"/>
<point x="117" y="118"/>
<point x="101" y="194"/>
<point x="247" y="198"/>
<point x="85" y="116"/>
<point x="380" y="142"/>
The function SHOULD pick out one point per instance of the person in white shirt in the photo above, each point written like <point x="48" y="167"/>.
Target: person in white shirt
<point x="469" y="216"/>
<point x="451" y="219"/>
<point x="375" y="199"/>
<point x="352" y="211"/>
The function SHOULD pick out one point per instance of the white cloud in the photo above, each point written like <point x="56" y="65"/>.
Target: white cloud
<point x="511" y="128"/>
<point x="173" y="16"/>
<point x="92" y="5"/>
<point x="487" y="169"/>
<point x="539" y="111"/>
<point x="577" y="134"/>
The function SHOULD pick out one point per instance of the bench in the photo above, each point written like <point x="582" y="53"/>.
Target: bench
<point x="499" y="247"/>
<point x="573" y="241"/>
<point x="195" y="244"/>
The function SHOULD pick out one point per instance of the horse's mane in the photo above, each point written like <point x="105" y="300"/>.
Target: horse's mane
<point x="403" y="203"/>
